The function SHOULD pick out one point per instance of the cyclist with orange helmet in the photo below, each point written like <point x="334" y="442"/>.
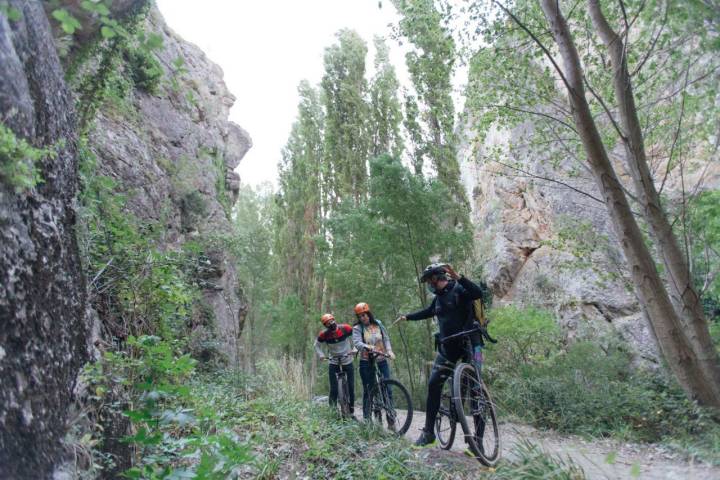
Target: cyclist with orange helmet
<point x="370" y="335"/>
<point x="339" y="349"/>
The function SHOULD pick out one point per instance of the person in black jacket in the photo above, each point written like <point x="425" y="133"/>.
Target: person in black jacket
<point x="453" y="308"/>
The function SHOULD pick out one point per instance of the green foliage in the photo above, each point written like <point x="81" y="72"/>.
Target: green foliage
<point x="380" y="246"/>
<point x="346" y="136"/>
<point x="19" y="159"/>
<point x="12" y="13"/>
<point x="139" y="287"/>
<point x="528" y="336"/>
<point x="145" y="69"/>
<point x="193" y="207"/>
<point x="530" y="463"/>
<point x="175" y="433"/>
<point x="703" y="234"/>
<point x="108" y="67"/>
<point x="431" y="64"/>
<point x="67" y="22"/>
<point x="221" y="191"/>
<point x="385" y="108"/>
<point x="97" y="9"/>
<point x="588" y="387"/>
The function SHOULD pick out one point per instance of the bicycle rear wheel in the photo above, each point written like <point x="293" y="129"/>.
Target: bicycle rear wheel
<point x="391" y="406"/>
<point x="476" y="414"/>
<point x="445" y="422"/>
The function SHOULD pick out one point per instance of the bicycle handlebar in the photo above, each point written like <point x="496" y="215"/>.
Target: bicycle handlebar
<point x="481" y="330"/>
<point x="461" y="334"/>
<point x="377" y="354"/>
<point x="341" y="357"/>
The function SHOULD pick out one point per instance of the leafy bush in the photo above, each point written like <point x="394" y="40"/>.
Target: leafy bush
<point x="19" y="159"/>
<point x="145" y="69"/>
<point x="528" y="336"/>
<point x="588" y="387"/>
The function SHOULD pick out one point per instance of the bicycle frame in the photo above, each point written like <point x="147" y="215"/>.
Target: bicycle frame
<point x="342" y="381"/>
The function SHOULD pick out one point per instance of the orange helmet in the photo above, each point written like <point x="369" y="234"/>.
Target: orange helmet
<point x="362" y="307"/>
<point x="327" y="318"/>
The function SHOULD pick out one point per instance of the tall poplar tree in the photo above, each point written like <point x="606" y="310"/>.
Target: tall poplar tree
<point x="431" y="64"/>
<point x="299" y="214"/>
<point x="347" y="135"/>
<point x="385" y="108"/>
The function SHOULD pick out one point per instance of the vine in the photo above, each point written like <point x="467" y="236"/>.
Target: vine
<point x="18" y="160"/>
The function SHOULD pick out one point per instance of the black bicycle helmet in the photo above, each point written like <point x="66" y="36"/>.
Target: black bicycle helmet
<point x="432" y="269"/>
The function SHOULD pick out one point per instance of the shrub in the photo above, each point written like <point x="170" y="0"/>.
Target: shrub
<point x="145" y="69"/>
<point x="589" y="387"/>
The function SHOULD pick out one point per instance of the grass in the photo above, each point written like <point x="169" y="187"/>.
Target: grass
<point x="249" y="427"/>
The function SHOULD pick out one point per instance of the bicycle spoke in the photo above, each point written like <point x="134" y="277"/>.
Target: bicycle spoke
<point x="391" y="406"/>
<point x="477" y="415"/>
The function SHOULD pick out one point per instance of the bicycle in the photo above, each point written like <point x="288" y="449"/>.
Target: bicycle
<point x="464" y="395"/>
<point x="391" y="397"/>
<point x="343" y="398"/>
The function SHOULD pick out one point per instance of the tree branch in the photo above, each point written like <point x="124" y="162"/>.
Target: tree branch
<point x="538" y="42"/>
<point x="548" y="179"/>
<point x="533" y="112"/>
<point x="607" y="110"/>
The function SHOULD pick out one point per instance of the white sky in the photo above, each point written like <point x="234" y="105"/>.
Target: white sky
<point x="265" y="47"/>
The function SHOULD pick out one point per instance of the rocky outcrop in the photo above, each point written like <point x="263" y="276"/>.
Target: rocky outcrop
<point x="174" y="152"/>
<point x="545" y="239"/>
<point x="42" y="293"/>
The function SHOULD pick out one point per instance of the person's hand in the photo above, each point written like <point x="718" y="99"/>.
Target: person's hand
<point x="323" y="359"/>
<point x="449" y="270"/>
<point x="401" y="318"/>
<point x="391" y="355"/>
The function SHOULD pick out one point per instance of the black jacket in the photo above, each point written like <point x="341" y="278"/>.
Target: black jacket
<point x="452" y="307"/>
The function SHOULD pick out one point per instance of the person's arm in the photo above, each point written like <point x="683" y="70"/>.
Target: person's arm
<point x="424" y="313"/>
<point x="318" y="349"/>
<point x="357" y="338"/>
<point x="473" y="291"/>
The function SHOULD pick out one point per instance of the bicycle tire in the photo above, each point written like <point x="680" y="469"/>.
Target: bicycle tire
<point x="400" y="398"/>
<point x="446" y="420"/>
<point x="343" y="396"/>
<point x="473" y="400"/>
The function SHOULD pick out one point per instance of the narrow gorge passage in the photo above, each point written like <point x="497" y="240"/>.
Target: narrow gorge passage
<point x="194" y="196"/>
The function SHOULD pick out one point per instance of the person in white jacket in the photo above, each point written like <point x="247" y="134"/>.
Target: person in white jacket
<point x="370" y="335"/>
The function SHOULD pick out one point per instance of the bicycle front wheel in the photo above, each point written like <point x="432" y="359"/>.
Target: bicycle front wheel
<point x="343" y="397"/>
<point x="445" y="422"/>
<point x="476" y="414"/>
<point x="391" y="406"/>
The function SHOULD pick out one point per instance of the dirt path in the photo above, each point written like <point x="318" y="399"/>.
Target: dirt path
<point x="629" y="460"/>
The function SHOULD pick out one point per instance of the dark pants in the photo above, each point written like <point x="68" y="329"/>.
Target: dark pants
<point x="367" y="374"/>
<point x="350" y="373"/>
<point x="442" y="369"/>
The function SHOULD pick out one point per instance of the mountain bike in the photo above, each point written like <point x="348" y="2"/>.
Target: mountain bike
<point x="466" y="400"/>
<point x="391" y="398"/>
<point x="343" y="398"/>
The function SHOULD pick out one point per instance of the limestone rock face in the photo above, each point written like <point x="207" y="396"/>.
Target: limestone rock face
<point x="547" y="244"/>
<point x="174" y="153"/>
<point x="43" y="327"/>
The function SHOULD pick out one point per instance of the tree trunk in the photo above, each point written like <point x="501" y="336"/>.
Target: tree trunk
<point x="43" y="327"/>
<point x="682" y="293"/>
<point x="650" y="291"/>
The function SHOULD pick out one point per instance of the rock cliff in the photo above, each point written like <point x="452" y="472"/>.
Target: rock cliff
<point x="549" y="243"/>
<point x="173" y="152"/>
